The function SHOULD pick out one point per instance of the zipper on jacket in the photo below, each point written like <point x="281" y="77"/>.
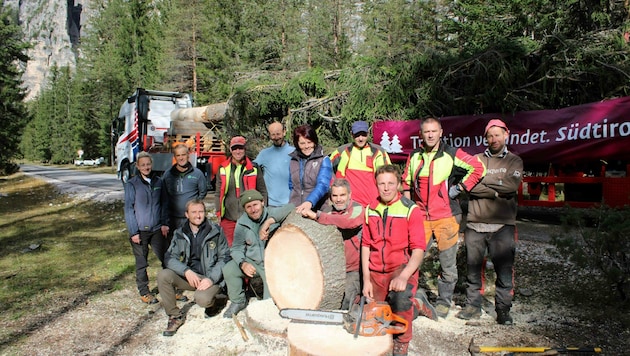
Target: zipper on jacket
<point x="383" y="234"/>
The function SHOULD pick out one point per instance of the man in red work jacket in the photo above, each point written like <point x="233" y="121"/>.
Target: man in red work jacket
<point x="434" y="176"/>
<point x="392" y="249"/>
<point x="357" y="161"/>
<point x="348" y="216"/>
<point x="236" y="175"/>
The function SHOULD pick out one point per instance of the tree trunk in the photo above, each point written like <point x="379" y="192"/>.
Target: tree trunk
<point x="305" y="265"/>
<point x="208" y="113"/>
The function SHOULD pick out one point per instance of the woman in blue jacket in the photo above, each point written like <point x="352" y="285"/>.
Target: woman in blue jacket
<point x="310" y="169"/>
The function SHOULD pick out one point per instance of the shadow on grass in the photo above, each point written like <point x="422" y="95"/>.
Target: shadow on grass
<point x="80" y="251"/>
<point x="40" y="322"/>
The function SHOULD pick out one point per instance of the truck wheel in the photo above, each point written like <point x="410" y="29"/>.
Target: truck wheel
<point x="125" y="173"/>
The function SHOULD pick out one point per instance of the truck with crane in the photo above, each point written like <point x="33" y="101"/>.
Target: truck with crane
<point x="156" y="121"/>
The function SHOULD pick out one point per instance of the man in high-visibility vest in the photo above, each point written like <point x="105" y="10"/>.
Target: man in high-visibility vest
<point x="236" y="175"/>
<point x="357" y="162"/>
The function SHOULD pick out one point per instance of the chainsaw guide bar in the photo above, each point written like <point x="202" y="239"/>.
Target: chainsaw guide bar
<point x="313" y="316"/>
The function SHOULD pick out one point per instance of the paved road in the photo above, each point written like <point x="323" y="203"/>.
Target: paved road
<point x="79" y="183"/>
<point x="84" y="184"/>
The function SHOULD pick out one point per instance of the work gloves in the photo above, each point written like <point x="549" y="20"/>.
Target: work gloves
<point x="400" y="301"/>
<point x="454" y="191"/>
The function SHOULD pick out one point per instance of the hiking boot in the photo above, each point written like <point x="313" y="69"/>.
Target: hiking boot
<point x="421" y="306"/>
<point x="442" y="310"/>
<point x="149" y="298"/>
<point x="503" y="317"/>
<point x="180" y="297"/>
<point x="211" y="311"/>
<point x="400" y="348"/>
<point x="234" y="309"/>
<point x="173" y="324"/>
<point x="469" y="312"/>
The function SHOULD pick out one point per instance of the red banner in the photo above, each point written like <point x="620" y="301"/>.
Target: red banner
<point x="581" y="133"/>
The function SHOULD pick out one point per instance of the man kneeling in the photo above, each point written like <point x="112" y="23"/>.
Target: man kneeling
<point x="253" y="230"/>
<point x="194" y="261"/>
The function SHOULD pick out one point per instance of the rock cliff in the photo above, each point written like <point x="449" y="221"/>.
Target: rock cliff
<point x="54" y="27"/>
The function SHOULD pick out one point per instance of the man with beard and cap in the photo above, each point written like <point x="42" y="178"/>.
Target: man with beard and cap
<point x="491" y="225"/>
<point x="252" y="232"/>
<point x="357" y="161"/>
<point x="236" y="175"/>
<point x="274" y="160"/>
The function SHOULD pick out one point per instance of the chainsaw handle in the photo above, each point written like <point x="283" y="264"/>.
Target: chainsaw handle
<point x="360" y="316"/>
<point x="399" y="328"/>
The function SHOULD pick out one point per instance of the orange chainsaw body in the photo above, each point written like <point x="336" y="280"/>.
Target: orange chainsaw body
<point x="377" y="319"/>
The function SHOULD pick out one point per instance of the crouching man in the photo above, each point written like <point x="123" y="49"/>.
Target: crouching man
<point x="253" y="230"/>
<point x="392" y="249"/>
<point x="194" y="261"/>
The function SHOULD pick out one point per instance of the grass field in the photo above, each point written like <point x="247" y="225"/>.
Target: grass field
<point x="55" y="252"/>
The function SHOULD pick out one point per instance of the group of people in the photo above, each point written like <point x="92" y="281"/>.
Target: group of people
<point x="387" y="219"/>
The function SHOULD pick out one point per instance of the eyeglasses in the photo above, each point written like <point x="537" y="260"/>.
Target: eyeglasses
<point x="359" y="134"/>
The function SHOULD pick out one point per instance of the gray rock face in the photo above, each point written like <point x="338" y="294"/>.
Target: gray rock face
<point x="54" y="27"/>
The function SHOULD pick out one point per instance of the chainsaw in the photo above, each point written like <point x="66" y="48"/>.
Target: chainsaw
<point x="369" y="318"/>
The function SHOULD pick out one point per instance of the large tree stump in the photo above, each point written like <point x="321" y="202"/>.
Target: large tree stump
<point x="263" y="317"/>
<point x="305" y="265"/>
<point x="325" y="340"/>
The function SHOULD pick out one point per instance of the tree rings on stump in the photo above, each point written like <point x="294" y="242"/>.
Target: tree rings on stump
<point x="305" y="265"/>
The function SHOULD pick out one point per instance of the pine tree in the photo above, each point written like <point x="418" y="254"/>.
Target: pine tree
<point x="13" y="112"/>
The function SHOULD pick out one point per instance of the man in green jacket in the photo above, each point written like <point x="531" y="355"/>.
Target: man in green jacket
<point x="253" y="230"/>
<point x="193" y="261"/>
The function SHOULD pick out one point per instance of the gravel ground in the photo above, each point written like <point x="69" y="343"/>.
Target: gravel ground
<point x="117" y="323"/>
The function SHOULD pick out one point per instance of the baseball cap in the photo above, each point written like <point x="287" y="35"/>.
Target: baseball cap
<point x="497" y="123"/>
<point x="250" y="195"/>
<point x="359" y="126"/>
<point x="237" y="141"/>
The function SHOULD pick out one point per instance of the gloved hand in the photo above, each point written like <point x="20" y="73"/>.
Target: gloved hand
<point x="454" y="191"/>
<point x="400" y="301"/>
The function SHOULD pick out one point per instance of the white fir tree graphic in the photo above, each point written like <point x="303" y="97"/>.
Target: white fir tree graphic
<point x="395" y="146"/>
<point x="385" y="141"/>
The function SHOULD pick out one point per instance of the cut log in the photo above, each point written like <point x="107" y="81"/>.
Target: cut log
<point x="305" y="265"/>
<point x="208" y="113"/>
<point x="325" y="340"/>
<point x="263" y="317"/>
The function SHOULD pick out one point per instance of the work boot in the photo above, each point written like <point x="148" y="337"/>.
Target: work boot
<point x="421" y="306"/>
<point x="234" y="309"/>
<point x="400" y="348"/>
<point x="503" y="317"/>
<point x="173" y="324"/>
<point x="469" y="312"/>
<point x="442" y="310"/>
<point x="149" y="298"/>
